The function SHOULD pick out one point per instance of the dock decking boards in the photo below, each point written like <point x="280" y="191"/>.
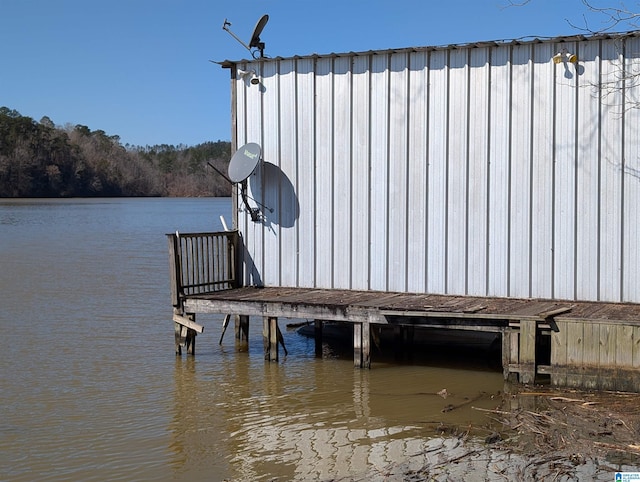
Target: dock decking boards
<point x="262" y="301"/>
<point x="590" y="344"/>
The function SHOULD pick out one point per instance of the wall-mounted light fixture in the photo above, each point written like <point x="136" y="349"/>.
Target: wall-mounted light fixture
<point x="564" y="56"/>
<point x="249" y="75"/>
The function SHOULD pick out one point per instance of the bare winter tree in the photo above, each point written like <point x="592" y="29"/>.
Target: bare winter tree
<point x="615" y="18"/>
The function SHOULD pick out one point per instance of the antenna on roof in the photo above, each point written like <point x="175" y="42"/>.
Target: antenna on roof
<point x="255" y="37"/>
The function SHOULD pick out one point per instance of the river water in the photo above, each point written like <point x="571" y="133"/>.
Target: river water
<point x="92" y="389"/>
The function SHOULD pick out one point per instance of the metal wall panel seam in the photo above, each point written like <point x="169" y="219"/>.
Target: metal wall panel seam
<point x="241" y="140"/>
<point x="599" y="205"/>
<point x="379" y="171"/>
<point x="360" y="152"/>
<point x="576" y="186"/>
<point x="417" y="173"/>
<point x="611" y="174"/>
<point x="407" y="171"/>
<point x="306" y="176"/>
<point x="324" y="129"/>
<point x="588" y="164"/>
<point x="397" y="171"/>
<point x="234" y="144"/>
<point x="351" y="162"/>
<point x="369" y="173"/>
<point x="532" y="90"/>
<point x="487" y="255"/>
<point x="623" y="184"/>
<point x="542" y="153"/>
<point x="315" y="171"/>
<point x="333" y="172"/>
<point x="446" y="170"/>
<point x="342" y="173"/>
<point x="520" y="167"/>
<point x="627" y="194"/>
<point x="388" y="167"/>
<point x="427" y="160"/>
<point x="279" y="239"/>
<point x="553" y="183"/>
<point x="509" y="169"/>
<point x="296" y="148"/>
<point x="261" y="228"/>
<point x="271" y="117"/>
<point x="467" y="180"/>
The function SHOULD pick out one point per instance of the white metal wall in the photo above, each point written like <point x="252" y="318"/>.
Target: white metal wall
<point x="485" y="170"/>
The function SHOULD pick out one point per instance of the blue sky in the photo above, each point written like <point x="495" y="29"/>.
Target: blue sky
<point x="140" y="69"/>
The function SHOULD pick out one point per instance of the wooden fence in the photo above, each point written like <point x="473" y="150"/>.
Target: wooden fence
<point x="203" y="263"/>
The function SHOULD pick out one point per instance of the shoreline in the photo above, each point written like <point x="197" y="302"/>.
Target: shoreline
<point x="537" y="433"/>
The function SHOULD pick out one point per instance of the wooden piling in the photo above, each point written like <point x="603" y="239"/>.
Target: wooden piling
<point x="527" y="351"/>
<point x="191" y="341"/>
<point x="362" y="345"/>
<point x="241" y="324"/>
<point x="186" y="329"/>
<point x="509" y="353"/>
<point x="270" y="338"/>
<point x="180" y="337"/>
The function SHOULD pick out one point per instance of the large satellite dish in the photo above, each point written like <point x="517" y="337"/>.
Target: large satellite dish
<point x="241" y="166"/>
<point x="244" y="162"/>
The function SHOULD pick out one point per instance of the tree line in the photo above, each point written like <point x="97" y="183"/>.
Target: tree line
<point x="40" y="159"/>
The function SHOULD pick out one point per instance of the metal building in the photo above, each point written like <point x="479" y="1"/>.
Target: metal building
<point x="489" y="169"/>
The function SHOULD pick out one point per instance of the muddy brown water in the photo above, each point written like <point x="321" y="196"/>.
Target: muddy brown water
<point x="92" y="390"/>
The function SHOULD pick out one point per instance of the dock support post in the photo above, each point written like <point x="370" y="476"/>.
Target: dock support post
<point x="242" y="332"/>
<point x="527" y="350"/>
<point x="362" y="345"/>
<point x="184" y="336"/>
<point x="191" y="341"/>
<point x="509" y="353"/>
<point x="179" y="338"/>
<point x="270" y="337"/>
<point x="319" y="324"/>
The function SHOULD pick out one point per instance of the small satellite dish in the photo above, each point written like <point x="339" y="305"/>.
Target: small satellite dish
<point x="255" y="38"/>
<point x="244" y="162"/>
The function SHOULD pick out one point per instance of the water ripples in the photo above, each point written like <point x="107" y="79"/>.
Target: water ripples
<point x="91" y="389"/>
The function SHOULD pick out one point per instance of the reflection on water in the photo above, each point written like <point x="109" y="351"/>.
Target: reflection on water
<point x="92" y="390"/>
<point x="311" y="419"/>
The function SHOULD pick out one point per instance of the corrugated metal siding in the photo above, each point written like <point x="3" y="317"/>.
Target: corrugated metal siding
<point x="480" y="170"/>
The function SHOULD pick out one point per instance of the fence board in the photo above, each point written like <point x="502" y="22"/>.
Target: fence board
<point x="202" y="263"/>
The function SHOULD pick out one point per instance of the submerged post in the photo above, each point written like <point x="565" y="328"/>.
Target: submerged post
<point x="242" y="332"/>
<point x="186" y="330"/>
<point x="527" y="351"/>
<point x="270" y="338"/>
<point x="362" y="345"/>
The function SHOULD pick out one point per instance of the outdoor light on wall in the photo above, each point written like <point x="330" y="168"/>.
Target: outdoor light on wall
<point x="249" y="75"/>
<point x="564" y="56"/>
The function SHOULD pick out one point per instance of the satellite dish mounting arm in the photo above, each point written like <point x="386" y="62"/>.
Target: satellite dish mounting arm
<point x="225" y="26"/>
<point x="253" y="212"/>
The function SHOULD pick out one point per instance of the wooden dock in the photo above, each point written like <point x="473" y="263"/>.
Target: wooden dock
<point x="575" y="344"/>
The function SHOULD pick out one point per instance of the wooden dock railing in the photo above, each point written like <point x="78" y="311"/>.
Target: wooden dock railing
<point x="202" y="263"/>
